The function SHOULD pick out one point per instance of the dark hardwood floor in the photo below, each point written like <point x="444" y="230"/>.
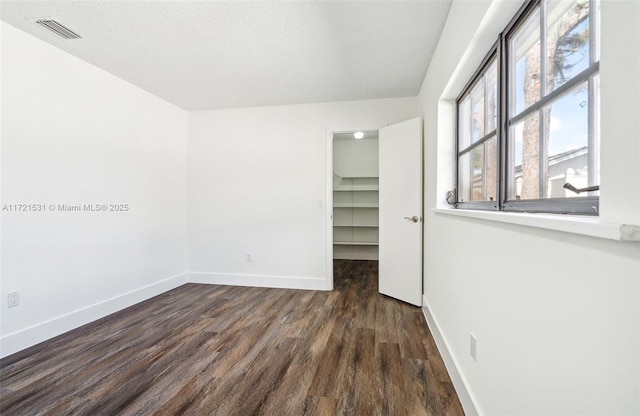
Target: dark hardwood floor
<point x="226" y="350"/>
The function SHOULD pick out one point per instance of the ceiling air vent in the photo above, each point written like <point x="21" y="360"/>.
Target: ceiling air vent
<point x="57" y="28"/>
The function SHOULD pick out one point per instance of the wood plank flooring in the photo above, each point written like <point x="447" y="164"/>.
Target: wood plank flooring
<point x="225" y="350"/>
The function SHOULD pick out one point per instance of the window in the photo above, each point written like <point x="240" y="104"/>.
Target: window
<point x="528" y="119"/>
<point x="478" y="139"/>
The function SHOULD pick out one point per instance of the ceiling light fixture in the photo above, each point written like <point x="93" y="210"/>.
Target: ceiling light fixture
<point x="358" y="135"/>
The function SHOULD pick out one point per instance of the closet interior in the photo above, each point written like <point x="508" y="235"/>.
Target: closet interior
<point x="355" y="196"/>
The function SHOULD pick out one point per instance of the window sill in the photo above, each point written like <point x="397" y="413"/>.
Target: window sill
<point x="589" y="226"/>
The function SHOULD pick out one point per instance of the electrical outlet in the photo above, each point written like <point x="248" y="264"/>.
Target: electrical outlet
<point x="473" y="347"/>
<point x="249" y="257"/>
<point x="13" y="299"/>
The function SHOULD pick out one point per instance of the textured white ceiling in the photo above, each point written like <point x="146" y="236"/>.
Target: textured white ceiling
<point x="203" y="55"/>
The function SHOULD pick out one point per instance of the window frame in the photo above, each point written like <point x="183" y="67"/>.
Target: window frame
<point x="487" y="61"/>
<point x="587" y="205"/>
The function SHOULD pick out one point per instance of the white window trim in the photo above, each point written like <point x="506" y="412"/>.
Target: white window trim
<point x="582" y="225"/>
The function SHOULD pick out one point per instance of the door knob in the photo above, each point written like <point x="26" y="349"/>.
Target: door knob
<point x="415" y="218"/>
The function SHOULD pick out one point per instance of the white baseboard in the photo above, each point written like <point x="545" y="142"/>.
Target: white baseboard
<point x="469" y="404"/>
<point x="280" y="282"/>
<point x="25" y="338"/>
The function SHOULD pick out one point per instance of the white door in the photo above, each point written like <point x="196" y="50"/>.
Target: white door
<point x="400" y="263"/>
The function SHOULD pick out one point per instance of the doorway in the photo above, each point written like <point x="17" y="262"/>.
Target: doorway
<point x="355" y="195"/>
<point x="375" y="204"/>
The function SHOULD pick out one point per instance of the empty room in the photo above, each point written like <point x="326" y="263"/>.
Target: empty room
<point x="320" y="207"/>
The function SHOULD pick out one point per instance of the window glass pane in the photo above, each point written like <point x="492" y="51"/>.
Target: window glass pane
<point x="525" y="168"/>
<point x="471" y="175"/>
<point x="464" y="178"/>
<point x="568" y="142"/>
<point x="595" y="15"/>
<point x="477" y="102"/>
<point x="477" y="173"/>
<point x="567" y="40"/>
<point x="524" y="50"/>
<point x="491" y="169"/>
<point x="594" y="147"/>
<point x="492" y="97"/>
<point x="464" y="123"/>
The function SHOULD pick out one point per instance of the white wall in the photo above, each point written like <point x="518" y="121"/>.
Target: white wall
<point x="258" y="183"/>
<point x="556" y="315"/>
<point x="356" y="158"/>
<point x="74" y="134"/>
